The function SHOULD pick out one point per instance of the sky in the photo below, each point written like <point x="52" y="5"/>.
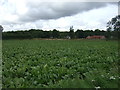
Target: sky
<point x="60" y="15"/>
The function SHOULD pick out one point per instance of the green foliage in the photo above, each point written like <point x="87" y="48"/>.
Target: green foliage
<point x="71" y="33"/>
<point x="60" y="64"/>
<point x="55" y="33"/>
<point x="36" y="34"/>
<point x="114" y="25"/>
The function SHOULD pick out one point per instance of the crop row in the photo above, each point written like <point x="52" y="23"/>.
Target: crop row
<point x="60" y="64"/>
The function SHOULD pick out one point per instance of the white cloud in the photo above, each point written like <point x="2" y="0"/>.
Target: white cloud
<point x="93" y="19"/>
<point x="27" y="14"/>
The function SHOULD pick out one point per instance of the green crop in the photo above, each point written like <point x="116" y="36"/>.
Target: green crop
<point x="60" y="64"/>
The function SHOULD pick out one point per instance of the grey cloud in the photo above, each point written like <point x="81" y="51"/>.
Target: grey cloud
<point x="54" y="10"/>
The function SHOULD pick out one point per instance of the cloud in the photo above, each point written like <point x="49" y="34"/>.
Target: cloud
<point x="92" y="19"/>
<point x="54" y="10"/>
<point x="26" y="14"/>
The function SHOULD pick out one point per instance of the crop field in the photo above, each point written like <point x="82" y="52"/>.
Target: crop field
<point x="60" y="64"/>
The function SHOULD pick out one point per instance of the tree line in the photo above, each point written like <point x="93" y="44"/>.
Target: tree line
<point x="112" y="32"/>
<point x="53" y="34"/>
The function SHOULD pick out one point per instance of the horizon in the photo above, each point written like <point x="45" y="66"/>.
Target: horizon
<point x="55" y="29"/>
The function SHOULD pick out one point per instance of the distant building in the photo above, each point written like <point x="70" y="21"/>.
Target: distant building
<point x="68" y="37"/>
<point x="95" y="37"/>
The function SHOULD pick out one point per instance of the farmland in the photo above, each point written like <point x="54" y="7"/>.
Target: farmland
<point x="60" y="64"/>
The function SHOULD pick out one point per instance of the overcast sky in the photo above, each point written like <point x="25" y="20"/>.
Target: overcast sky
<point x="36" y="14"/>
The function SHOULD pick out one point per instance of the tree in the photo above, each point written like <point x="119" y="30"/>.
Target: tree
<point x="80" y="34"/>
<point x="71" y="33"/>
<point x="55" y="33"/>
<point x="97" y="32"/>
<point x="1" y="29"/>
<point x="114" y="26"/>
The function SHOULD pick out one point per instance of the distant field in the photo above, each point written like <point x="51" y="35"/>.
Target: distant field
<point x="60" y="64"/>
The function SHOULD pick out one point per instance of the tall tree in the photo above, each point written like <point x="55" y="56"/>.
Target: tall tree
<point x="55" y="33"/>
<point x="114" y="26"/>
<point x="1" y="29"/>
<point x="80" y="34"/>
<point x="71" y="33"/>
